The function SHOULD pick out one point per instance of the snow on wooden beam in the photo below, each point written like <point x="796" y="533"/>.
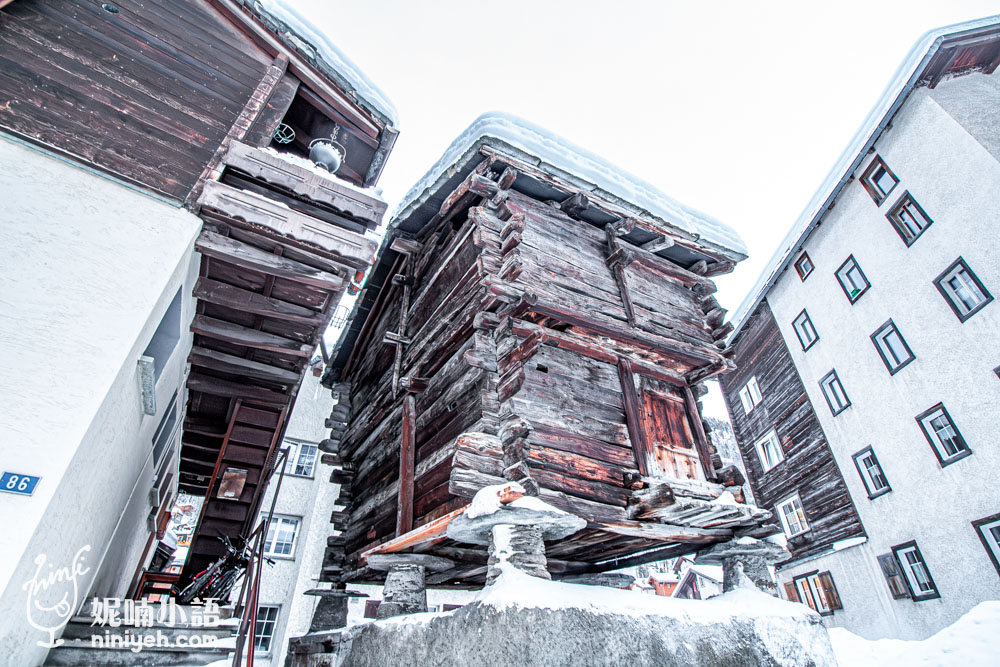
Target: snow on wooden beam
<point x="664" y="532"/>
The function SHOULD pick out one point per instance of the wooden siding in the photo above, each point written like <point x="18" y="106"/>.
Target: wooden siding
<point x="147" y="94"/>
<point x="809" y="468"/>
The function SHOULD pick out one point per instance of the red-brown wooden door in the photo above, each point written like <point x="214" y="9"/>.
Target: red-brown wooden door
<point x="669" y="438"/>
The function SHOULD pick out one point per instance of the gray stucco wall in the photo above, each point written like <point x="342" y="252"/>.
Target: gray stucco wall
<point x="956" y="179"/>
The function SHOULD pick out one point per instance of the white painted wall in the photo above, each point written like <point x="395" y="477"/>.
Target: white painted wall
<point x="89" y="268"/>
<point x="956" y="179"/>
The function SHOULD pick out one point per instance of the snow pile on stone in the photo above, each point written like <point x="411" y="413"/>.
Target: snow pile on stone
<point x="487" y="501"/>
<point x="517" y="589"/>
<point x="548" y="150"/>
<point x="311" y="40"/>
<point x="971" y="641"/>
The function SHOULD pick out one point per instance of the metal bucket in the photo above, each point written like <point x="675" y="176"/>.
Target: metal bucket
<point x="327" y="153"/>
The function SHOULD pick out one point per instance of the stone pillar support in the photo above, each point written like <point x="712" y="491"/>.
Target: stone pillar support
<point x="331" y="610"/>
<point x="405" y="590"/>
<point x="745" y="557"/>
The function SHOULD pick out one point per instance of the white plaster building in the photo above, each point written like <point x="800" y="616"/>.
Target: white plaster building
<point x="900" y="356"/>
<point x="96" y="275"/>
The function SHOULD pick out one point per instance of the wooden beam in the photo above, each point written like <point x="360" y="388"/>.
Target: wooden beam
<point x="633" y="416"/>
<point x="240" y="335"/>
<point x="219" y="387"/>
<point x="658" y="244"/>
<point x="431" y="532"/>
<point x="251" y="257"/>
<point x="230" y="363"/>
<point x="664" y="532"/>
<point x="407" y="455"/>
<point x="240" y="299"/>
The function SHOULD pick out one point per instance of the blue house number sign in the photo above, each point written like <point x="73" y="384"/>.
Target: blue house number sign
<point x="11" y="482"/>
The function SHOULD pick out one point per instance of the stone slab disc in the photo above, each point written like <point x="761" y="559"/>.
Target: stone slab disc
<point x="382" y="562"/>
<point x="554" y="525"/>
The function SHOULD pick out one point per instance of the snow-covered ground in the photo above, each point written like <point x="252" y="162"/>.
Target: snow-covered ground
<point x="972" y="641"/>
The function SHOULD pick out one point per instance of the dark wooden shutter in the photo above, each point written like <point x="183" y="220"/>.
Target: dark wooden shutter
<point x="830" y="590"/>
<point x="791" y="593"/>
<point x="371" y="608"/>
<point x="890" y="570"/>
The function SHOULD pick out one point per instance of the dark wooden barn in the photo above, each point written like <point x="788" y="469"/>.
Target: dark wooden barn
<point x="535" y="315"/>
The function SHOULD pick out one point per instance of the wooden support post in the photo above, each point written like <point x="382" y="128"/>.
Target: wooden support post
<point x="404" y="316"/>
<point x="633" y="416"/>
<point x="407" y="447"/>
<point x="700" y="439"/>
<point x="618" y="259"/>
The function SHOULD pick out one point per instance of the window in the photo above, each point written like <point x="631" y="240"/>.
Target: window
<point x="893" y="577"/>
<point x="371" y="608"/>
<point x="750" y="395"/>
<point x="166" y="336"/>
<point x="792" y="517"/>
<point x="301" y="458"/>
<point x="834" y="393"/>
<point x="891" y="347"/>
<point x="988" y="530"/>
<point x="805" y="330"/>
<point x="769" y="450"/>
<point x="817" y="590"/>
<point x="871" y="473"/>
<point x="267" y="618"/>
<point x="165" y="429"/>
<point x="943" y="436"/>
<point x="962" y="289"/>
<point x="908" y="219"/>
<point x="803" y="265"/>
<point x="852" y="279"/>
<point x="280" y="540"/>
<point x="918" y="577"/>
<point x="878" y="180"/>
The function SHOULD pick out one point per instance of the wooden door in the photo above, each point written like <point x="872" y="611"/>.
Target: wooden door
<point x="668" y="435"/>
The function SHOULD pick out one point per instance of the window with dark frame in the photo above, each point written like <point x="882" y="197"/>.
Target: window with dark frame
<point x="878" y="180"/>
<point x="871" y="473"/>
<point x="833" y="392"/>
<point x="805" y="330"/>
<point x="908" y="219"/>
<point x="893" y="577"/>
<point x="892" y="348"/>
<point x="944" y="437"/>
<point x="915" y="572"/>
<point x="962" y="289"/>
<point x="267" y="618"/>
<point x="852" y="279"/>
<point x="988" y="530"/>
<point x="817" y="590"/>
<point x="803" y="265"/>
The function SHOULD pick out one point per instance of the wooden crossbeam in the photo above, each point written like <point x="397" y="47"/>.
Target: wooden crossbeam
<point x="240" y="335"/>
<point x="431" y="532"/>
<point x="230" y="363"/>
<point x="250" y="257"/>
<point x="664" y="532"/>
<point x="658" y="244"/>
<point x="246" y="301"/>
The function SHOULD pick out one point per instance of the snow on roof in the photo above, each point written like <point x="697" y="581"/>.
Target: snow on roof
<point x="307" y="37"/>
<point x="663" y="577"/>
<point x="892" y="98"/>
<point x="550" y="152"/>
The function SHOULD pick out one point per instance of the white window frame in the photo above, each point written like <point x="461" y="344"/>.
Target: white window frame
<point x="271" y="623"/>
<point x="809" y="588"/>
<point x="792" y="501"/>
<point x="920" y="589"/>
<point x="933" y="434"/>
<point x="894" y="355"/>
<point x="805" y="330"/>
<point x="833" y="388"/>
<point x="872" y="486"/>
<point x="750" y="395"/>
<point x="295" y="456"/>
<point x="766" y="460"/>
<point x="968" y="284"/>
<point x="278" y="521"/>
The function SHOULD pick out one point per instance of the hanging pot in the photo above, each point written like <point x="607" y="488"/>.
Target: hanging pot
<point x="327" y="153"/>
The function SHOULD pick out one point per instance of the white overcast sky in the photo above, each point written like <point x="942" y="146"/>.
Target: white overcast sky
<point x="736" y="108"/>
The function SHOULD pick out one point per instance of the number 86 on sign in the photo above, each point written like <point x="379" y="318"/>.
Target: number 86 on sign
<point x="14" y="483"/>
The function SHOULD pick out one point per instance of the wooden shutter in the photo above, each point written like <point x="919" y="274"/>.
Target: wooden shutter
<point x="791" y="593"/>
<point x="890" y="570"/>
<point x="830" y="590"/>
<point x="371" y="608"/>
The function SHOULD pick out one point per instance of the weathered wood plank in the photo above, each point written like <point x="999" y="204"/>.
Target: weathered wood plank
<point x="239" y="335"/>
<point x="237" y="298"/>
<point x="253" y="258"/>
